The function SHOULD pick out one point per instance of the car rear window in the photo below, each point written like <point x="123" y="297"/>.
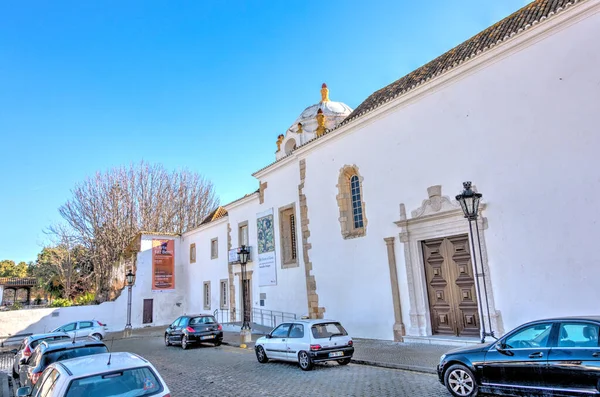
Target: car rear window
<point x="60" y="355"/>
<point x="327" y="330"/>
<point x="135" y="382"/>
<point x="202" y="320"/>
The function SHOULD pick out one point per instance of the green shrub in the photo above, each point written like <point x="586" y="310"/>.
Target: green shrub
<point x="16" y="306"/>
<point x="61" y="302"/>
<point x="86" y="299"/>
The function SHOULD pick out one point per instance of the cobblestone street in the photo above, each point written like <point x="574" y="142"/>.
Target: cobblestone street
<point x="231" y="371"/>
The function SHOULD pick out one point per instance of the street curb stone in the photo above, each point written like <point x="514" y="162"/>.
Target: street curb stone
<point x="413" y="368"/>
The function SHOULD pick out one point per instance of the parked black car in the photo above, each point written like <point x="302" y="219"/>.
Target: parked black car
<point x="192" y="329"/>
<point x="47" y="353"/>
<point x="558" y="357"/>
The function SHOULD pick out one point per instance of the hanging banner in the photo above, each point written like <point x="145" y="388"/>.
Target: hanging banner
<point x="163" y="265"/>
<point x="267" y="266"/>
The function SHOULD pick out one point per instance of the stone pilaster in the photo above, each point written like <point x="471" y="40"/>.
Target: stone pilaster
<point x="399" y="329"/>
<point x="314" y="311"/>
<point x="231" y="282"/>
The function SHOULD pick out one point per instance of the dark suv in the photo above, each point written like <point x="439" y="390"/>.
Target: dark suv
<point x="47" y="353"/>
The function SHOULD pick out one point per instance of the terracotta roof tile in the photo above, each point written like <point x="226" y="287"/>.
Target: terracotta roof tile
<point x="220" y="212"/>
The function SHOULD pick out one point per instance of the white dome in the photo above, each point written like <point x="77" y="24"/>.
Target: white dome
<point x="334" y="112"/>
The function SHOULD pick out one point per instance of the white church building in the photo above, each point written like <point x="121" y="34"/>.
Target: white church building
<point x="355" y="218"/>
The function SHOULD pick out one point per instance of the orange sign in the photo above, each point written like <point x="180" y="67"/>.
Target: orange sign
<point x="163" y="264"/>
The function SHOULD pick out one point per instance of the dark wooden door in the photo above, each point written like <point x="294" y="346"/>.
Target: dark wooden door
<point x="148" y="308"/>
<point x="451" y="286"/>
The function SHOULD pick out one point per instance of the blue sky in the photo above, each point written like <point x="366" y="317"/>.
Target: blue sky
<point x="206" y="85"/>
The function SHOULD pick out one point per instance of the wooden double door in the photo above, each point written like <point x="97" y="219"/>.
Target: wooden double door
<point x="451" y="286"/>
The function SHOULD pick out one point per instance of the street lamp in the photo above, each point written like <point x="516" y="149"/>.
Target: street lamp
<point x="469" y="202"/>
<point x="243" y="254"/>
<point x="130" y="278"/>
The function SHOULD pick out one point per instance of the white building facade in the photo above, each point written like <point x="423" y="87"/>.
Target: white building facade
<point x="365" y="227"/>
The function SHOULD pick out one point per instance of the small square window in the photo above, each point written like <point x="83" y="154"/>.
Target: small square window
<point x="223" y="291"/>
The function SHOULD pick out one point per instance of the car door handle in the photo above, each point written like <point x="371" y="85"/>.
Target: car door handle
<point x="596" y="354"/>
<point x="536" y="355"/>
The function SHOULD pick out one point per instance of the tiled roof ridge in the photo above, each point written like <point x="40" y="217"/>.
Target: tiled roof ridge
<point x="503" y="30"/>
<point x="215" y="214"/>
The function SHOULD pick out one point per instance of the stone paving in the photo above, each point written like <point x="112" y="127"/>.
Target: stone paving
<point x="231" y="371"/>
<point x="413" y="357"/>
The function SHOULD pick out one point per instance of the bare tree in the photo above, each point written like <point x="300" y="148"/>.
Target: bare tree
<point x="108" y="209"/>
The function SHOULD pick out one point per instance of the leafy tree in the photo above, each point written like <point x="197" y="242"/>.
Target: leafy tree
<point x="8" y="268"/>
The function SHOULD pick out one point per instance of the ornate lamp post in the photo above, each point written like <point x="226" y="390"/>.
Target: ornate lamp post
<point x="245" y="334"/>
<point x="130" y="278"/>
<point x="469" y="202"/>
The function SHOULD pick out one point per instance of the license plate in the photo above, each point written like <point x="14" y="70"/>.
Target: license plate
<point x="207" y="337"/>
<point x="336" y="354"/>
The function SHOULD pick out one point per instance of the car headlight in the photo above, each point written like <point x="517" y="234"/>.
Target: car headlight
<point x="442" y="358"/>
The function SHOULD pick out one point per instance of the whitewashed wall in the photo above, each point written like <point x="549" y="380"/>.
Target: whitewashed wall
<point x="290" y="293"/>
<point x="205" y="268"/>
<point x="524" y="129"/>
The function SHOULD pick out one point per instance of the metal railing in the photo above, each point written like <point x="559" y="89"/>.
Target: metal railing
<point x="266" y="318"/>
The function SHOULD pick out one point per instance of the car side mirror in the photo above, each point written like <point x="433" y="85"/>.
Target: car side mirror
<point x="23" y="360"/>
<point x="268" y="336"/>
<point x="23" y="391"/>
<point x="501" y="347"/>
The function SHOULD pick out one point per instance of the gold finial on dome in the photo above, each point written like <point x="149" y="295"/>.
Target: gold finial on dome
<point x="320" y="122"/>
<point x="324" y="93"/>
<point x="300" y="130"/>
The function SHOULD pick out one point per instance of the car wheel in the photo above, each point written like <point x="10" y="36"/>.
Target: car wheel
<point x="261" y="356"/>
<point x="97" y="336"/>
<point x="304" y="361"/>
<point x="184" y="343"/>
<point x="218" y="342"/>
<point x="460" y="382"/>
<point x="167" y="343"/>
<point x="344" y="361"/>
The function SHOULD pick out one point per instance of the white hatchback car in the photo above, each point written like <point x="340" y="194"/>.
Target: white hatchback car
<point x="99" y="375"/>
<point x="81" y="329"/>
<point x="306" y="342"/>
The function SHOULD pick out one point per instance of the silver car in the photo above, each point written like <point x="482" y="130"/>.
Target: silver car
<point x="306" y="342"/>
<point x="81" y="329"/>
<point x="28" y="346"/>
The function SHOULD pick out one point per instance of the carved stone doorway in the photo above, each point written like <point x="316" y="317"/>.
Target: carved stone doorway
<point x="438" y="217"/>
<point x="451" y="286"/>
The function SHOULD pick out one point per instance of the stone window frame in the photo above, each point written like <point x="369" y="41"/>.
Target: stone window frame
<point x="223" y="288"/>
<point x="240" y="240"/>
<point x="206" y="295"/>
<point x="344" y="201"/>
<point x="193" y="253"/>
<point x="290" y="263"/>
<point x="214" y="248"/>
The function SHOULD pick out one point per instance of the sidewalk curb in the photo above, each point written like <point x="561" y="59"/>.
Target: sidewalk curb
<point x="413" y="368"/>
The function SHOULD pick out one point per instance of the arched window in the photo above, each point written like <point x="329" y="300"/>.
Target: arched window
<point x="357" y="210"/>
<point x="353" y="221"/>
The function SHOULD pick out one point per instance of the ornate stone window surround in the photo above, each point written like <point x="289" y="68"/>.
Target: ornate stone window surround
<point x="206" y="295"/>
<point x="437" y="217"/>
<point x="193" y="253"/>
<point x="344" y="201"/>
<point x="214" y="248"/>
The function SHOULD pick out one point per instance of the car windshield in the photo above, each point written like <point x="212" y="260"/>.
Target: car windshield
<point x="202" y="320"/>
<point x="327" y="330"/>
<point x="135" y="382"/>
<point x="65" y="354"/>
